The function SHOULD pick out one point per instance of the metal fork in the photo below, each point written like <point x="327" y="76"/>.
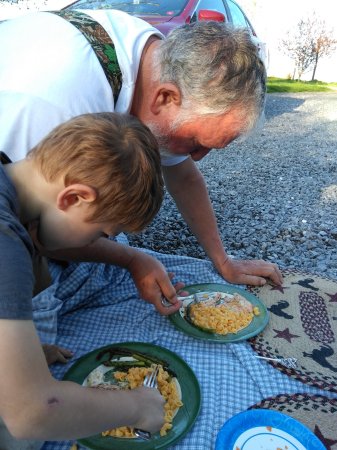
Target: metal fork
<point x="150" y="381"/>
<point x="289" y="363"/>
<point x="195" y="298"/>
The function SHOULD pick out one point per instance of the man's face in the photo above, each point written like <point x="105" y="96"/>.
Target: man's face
<point x="198" y="136"/>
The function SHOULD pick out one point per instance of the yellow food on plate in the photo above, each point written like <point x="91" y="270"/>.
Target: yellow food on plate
<point x="222" y="313"/>
<point x="167" y="386"/>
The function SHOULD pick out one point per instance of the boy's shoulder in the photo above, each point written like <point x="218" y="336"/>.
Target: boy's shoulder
<point x="15" y="294"/>
<point x="7" y="189"/>
<point x="10" y="224"/>
<point x="4" y="159"/>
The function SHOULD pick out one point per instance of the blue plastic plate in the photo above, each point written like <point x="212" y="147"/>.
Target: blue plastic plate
<point x="263" y="429"/>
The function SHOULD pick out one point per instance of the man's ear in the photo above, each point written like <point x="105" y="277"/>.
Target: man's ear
<point x="75" y="195"/>
<point x="165" y="95"/>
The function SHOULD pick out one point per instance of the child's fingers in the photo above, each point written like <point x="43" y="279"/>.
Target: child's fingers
<point x="65" y="352"/>
<point x="179" y="286"/>
<point x="54" y="354"/>
<point x="61" y="358"/>
<point x="63" y="355"/>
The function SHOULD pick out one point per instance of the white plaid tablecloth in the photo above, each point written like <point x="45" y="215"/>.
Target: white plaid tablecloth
<point x="92" y="305"/>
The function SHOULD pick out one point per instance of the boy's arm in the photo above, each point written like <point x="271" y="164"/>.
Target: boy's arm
<point x="36" y="406"/>
<point x="149" y="274"/>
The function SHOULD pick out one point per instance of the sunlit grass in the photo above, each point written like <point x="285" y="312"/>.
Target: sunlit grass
<point x="285" y="85"/>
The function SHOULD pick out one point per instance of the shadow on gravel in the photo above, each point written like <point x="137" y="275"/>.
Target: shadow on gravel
<point x="276" y="108"/>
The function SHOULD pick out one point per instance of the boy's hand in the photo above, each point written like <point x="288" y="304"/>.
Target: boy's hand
<point x="151" y="407"/>
<point x="54" y="354"/>
<point x="153" y="282"/>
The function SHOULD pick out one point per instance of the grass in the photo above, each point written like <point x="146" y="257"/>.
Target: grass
<point x="284" y="85"/>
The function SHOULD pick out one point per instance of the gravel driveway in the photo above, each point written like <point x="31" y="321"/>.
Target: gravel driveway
<point x="275" y="195"/>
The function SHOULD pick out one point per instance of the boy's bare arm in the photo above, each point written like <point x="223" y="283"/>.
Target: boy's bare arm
<point x="149" y="274"/>
<point x="36" y="406"/>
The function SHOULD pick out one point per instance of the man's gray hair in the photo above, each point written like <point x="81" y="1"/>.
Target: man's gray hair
<point x="216" y="68"/>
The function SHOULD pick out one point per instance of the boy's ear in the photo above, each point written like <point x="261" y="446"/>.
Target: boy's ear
<point x="74" y="195"/>
<point x="166" y="95"/>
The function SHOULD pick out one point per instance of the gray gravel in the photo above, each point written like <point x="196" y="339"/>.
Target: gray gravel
<point x="274" y="195"/>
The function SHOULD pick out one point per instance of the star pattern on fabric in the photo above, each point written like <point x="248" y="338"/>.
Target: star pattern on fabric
<point x="333" y="297"/>
<point x="285" y="334"/>
<point x="327" y="442"/>
<point x="279" y="288"/>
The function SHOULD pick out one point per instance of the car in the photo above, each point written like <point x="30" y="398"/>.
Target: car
<point x="168" y="14"/>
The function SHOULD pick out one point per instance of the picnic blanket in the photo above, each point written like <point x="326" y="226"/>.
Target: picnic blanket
<point x="92" y="305"/>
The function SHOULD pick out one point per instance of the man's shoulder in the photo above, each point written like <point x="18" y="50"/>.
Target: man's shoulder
<point x="121" y="20"/>
<point x="116" y="16"/>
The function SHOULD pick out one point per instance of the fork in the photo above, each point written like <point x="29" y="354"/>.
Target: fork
<point x="150" y="381"/>
<point x="194" y="297"/>
<point x="289" y="363"/>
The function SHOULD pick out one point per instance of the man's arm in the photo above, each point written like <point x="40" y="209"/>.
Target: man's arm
<point x="149" y="274"/>
<point x="36" y="406"/>
<point x="187" y="186"/>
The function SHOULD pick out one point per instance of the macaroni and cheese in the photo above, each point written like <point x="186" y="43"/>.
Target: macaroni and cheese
<point x="222" y="314"/>
<point x="168" y="387"/>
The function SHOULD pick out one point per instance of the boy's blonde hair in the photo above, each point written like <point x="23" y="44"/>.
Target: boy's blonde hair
<point x="113" y="153"/>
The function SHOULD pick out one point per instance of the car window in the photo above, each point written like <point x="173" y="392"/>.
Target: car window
<point x="238" y="18"/>
<point x="137" y="7"/>
<point x="213" y="5"/>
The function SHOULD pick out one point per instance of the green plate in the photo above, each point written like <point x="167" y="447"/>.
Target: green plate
<point x="182" y="422"/>
<point x="255" y="327"/>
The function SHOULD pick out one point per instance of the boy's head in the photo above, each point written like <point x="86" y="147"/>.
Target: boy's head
<point x="109" y="160"/>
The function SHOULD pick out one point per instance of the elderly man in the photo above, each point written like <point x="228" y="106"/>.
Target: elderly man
<point x="199" y="89"/>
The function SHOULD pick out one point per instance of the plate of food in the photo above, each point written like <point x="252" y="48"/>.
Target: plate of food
<point x="124" y="366"/>
<point x="265" y="429"/>
<point x="220" y="313"/>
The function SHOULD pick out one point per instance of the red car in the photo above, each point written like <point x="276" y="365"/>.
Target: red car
<point x="168" y="14"/>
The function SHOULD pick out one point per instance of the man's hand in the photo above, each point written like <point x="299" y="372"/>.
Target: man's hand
<point x="54" y="354"/>
<point x="153" y="282"/>
<point x="254" y="272"/>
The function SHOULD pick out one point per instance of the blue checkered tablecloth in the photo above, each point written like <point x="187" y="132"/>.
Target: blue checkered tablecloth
<point x="92" y="305"/>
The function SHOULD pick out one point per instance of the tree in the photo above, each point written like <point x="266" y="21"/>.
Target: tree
<point x="307" y="43"/>
<point x="324" y="44"/>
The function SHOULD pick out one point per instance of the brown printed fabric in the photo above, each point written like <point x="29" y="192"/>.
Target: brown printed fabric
<point x="302" y="325"/>
<point x="317" y="412"/>
<point x="101" y="43"/>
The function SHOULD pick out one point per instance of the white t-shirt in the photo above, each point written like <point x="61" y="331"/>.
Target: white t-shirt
<point x="49" y="73"/>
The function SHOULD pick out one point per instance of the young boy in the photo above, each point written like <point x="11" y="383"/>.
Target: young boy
<point x="94" y="176"/>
